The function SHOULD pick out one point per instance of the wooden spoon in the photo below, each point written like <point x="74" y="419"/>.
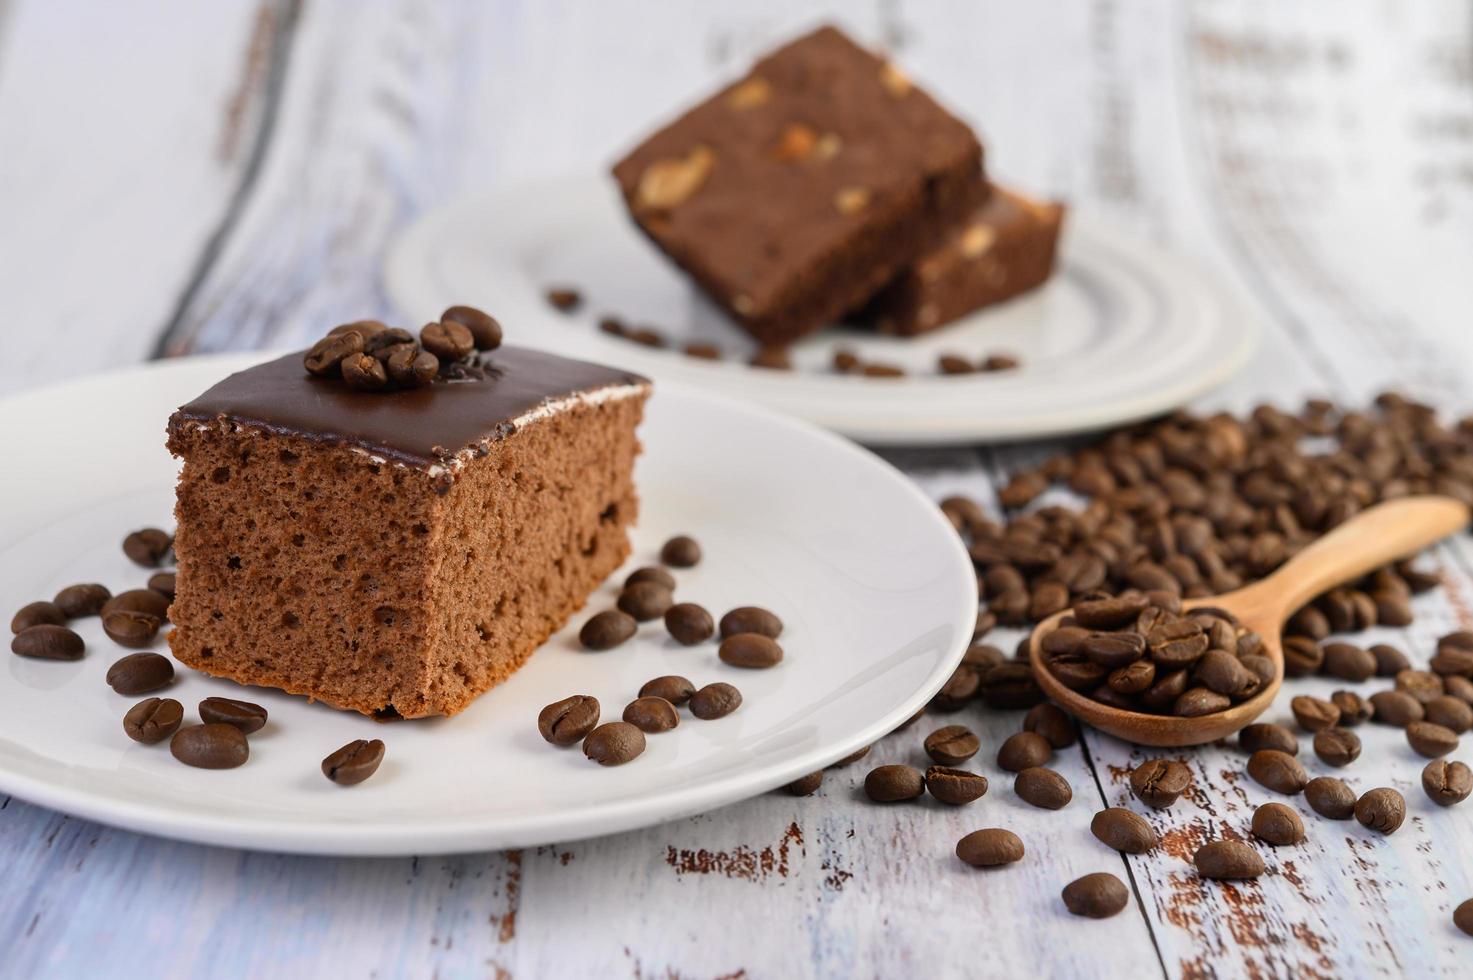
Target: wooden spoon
<point x="1379" y="535"/>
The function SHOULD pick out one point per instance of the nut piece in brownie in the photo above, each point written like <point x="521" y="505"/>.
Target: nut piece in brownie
<point x="1006" y="248"/>
<point x="398" y="546"/>
<point x="795" y="193"/>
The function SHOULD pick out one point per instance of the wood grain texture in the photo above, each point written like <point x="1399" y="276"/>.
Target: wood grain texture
<point x="1320" y="166"/>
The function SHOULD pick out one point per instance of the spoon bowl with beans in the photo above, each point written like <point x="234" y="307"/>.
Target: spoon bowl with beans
<point x="1378" y="535"/>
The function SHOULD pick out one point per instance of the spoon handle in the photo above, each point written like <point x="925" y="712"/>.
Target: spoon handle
<point x="1377" y="536"/>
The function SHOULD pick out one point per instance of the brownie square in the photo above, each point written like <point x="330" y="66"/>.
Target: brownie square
<point x="794" y="194"/>
<point x="1004" y="249"/>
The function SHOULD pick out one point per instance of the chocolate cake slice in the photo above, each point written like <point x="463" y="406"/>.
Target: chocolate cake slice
<point x="398" y="551"/>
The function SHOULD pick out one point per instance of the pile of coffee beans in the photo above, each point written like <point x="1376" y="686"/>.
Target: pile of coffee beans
<point x="372" y="356"/>
<point x="656" y="709"/>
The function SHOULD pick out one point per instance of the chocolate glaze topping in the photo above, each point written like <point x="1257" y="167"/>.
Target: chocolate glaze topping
<point x="418" y="427"/>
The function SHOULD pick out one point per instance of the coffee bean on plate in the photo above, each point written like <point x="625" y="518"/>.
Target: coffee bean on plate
<point x="715" y="701"/>
<point x="1381" y="810"/>
<point x="893" y="784"/>
<point x="1278" y="825"/>
<point x="689" y="623"/>
<point x="952" y="745"/>
<point x="1096" y="896"/>
<point x="485" y="330"/>
<point x="1396" y="708"/>
<point x="1159" y="783"/>
<point x="244" y="715"/>
<point x="651" y="573"/>
<point x="805" y="785"/>
<point x="566" y="722"/>
<point x="607" y="630"/>
<point x="645" y="601"/>
<point x="148" y="547"/>
<point x="210" y="746"/>
<point x="990" y="848"/>
<point x="672" y="687"/>
<point x="48" y="642"/>
<point x="751" y="619"/>
<point x="1277" y="771"/>
<point x="681" y="551"/>
<point x="84" y="599"/>
<point x="138" y="600"/>
<point x="1024" y="750"/>
<point x="1314" y="714"/>
<point x="1330" y="797"/>
<point x="614" y="743"/>
<point x="153" y="720"/>
<point x="1052" y="723"/>
<point x="130" y="629"/>
<point x="1431" y="740"/>
<point x="1227" y="860"/>
<point x="37" y="614"/>
<point x="1447" y="783"/>
<point x="1354" y="709"/>
<point x="163" y="584"/>
<point x="354" y="762"/>
<point x="651" y="715"/>
<point x="1337" y="746"/>
<point x="1449" y="712"/>
<point x="140" y="673"/>
<point x="1043" y="788"/>
<point x="955" y="786"/>
<point x="750" y="650"/>
<point x="1266" y="736"/>
<point x="1123" y="830"/>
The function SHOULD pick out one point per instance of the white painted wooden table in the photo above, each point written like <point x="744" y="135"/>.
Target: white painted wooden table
<point x="189" y="176"/>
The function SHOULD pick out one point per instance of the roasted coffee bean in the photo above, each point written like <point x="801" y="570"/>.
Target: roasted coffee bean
<point x="983" y="656"/>
<point x="1308" y="622"/>
<point x="990" y="848"/>
<point x="87" y="599"/>
<point x="1348" y="662"/>
<point x="1460" y="688"/>
<point x="892" y="784"/>
<point x="1450" y="713"/>
<point x="130" y="629"/>
<point x="1381" y="810"/>
<point x="858" y="754"/>
<point x="244" y="715"/>
<point x="960" y="688"/>
<point x="1431" y="740"/>
<point x="1123" y="830"/>
<point x="1096" y="896"/>
<point x="1313" y="714"/>
<point x="681" y="551"/>
<point x="651" y="573"/>
<point x="1354" y="709"/>
<point x="148" y="547"/>
<point x="777" y="358"/>
<point x="607" y="630"/>
<point x="1109" y="614"/>
<point x="1133" y="678"/>
<point x="153" y="720"/>
<point x="1112" y="650"/>
<point x="210" y="746"/>
<point x="1463" y="917"/>
<point x="140" y="673"/>
<point x="1178" y="644"/>
<point x="751" y="650"/>
<point x="986" y="623"/>
<point x="1447" y="783"/>
<point x="672" y="687"/>
<point x="410" y="367"/>
<point x="1048" y="598"/>
<point x="1024" y="750"/>
<point x="365" y="329"/>
<point x="1277" y="771"/>
<point x="447" y="340"/>
<point x="138" y="600"/>
<point x="955" y="786"/>
<point x="163" y="584"/>
<point x="1225" y="674"/>
<point x="1010" y="686"/>
<point x="1302" y="656"/>
<point x="1336" y="746"/>
<point x="1064" y="640"/>
<point x="1389" y="660"/>
<point x="614" y="743"/>
<point x="48" y="642"/>
<point x="485" y="330"/>
<point x="952" y="745"/>
<point x="566" y="722"/>
<point x="1263" y="736"/>
<point x="1261" y="667"/>
<point x="689" y="623"/>
<point x="1010" y="607"/>
<point x="1159" y="783"/>
<point x="1277" y="824"/>
<point x="1169" y="686"/>
<point x="1043" y="788"/>
<point x="805" y="785"/>
<point x="1420" y="684"/>
<point x="1396" y="708"/>
<point x="751" y="619"/>
<point x="1392" y="608"/>
<point x="1224" y="860"/>
<point x="1076" y="673"/>
<point x="364" y="372"/>
<point x="715" y="701"/>
<point x="1052" y="723"/>
<point x="1330" y="797"/>
<point x="37" y="614"/>
<point x="645" y="601"/>
<point x="354" y="762"/>
<point x="326" y="355"/>
<point x="1199" y="701"/>
<point x="652" y="715"/>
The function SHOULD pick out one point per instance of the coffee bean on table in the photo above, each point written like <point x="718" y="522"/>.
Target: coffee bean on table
<point x="163" y="584"/>
<point x="645" y="601"/>
<point x="1159" y="783"/>
<point x="566" y="722"/>
<point x="1460" y="688"/>
<point x="651" y="573"/>
<point x="1431" y="740"/>
<point x="1381" y="810"/>
<point x="1354" y="709"/>
<point x="1447" y="783"/>
<point x="1302" y="656"/>
<point x="952" y="745"/>
<point x="1277" y="771"/>
<point x="148" y="547"/>
<point x="805" y="785"/>
<point x="85" y="599"/>
<point x="607" y="630"/>
<point x="958" y="691"/>
<point x="1396" y="708"/>
<point x="955" y="786"/>
<point x="1450" y="713"/>
<point x="1024" y="750"/>
<point x="37" y="614"/>
<point x="750" y="650"/>
<point x="1096" y="896"/>
<point x="651" y="715"/>
<point x="244" y="715"/>
<point x="1348" y="662"/>
<point x="715" y="701"/>
<point x="153" y="720"/>
<point x="1228" y="860"/>
<point x="1050" y="721"/>
<point x="139" y="673"/>
<point x="1123" y="830"/>
<point x="1278" y="825"/>
<point x="1463" y="916"/>
<point x="751" y="619"/>
<point x="990" y="848"/>
<point x="893" y="784"/>
<point x="485" y="330"/>
<point x="1337" y="746"/>
<point x="681" y="551"/>
<point x="1314" y="714"/>
<point x="354" y="762"/>
<point x="1043" y="788"/>
<point x="1420" y="684"/>
<point x="210" y="746"/>
<point x="1265" y="736"/>
<point x="1009" y="686"/>
<point x="1389" y="660"/>
<point x="138" y="600"/>
<point x="48" y="642"/>
<point x="614" y="743"/>
<point x="672" y="687"/>
<point x="689" y="623"/>
<point x="1330" y="797"/>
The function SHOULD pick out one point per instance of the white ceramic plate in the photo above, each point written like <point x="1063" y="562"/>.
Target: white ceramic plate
<point x="875" y="589"/>
<point x="1123" y="331"/>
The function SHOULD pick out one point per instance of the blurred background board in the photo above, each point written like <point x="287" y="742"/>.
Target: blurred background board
<point x="179" y="177"/>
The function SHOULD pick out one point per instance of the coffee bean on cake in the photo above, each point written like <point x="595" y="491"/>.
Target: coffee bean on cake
<point x="485" y="329"/>
<point x="244" y="715"/>
<point x="148" y="547"/>
<point x="37" y="614"/>
<point x="1227" y="860"/>
<point x="364" y="371"/>
<point x="48" y="642"/>
<point x="651" y="714"/>
<point x="750" y="650"/>
<point x="672" y="687"/>
<point x="607" y="629"/>
<point x="716" y="701"/>
<point x="411" y="367"/>
<point x="354" y="762"/>
<point x="1381" y="810"/>
<point x="990" y="848"/>
<point x="681" y="551"/>
<point x="1123" y="830"/>
<point x="1096" y="896"/>
<point x="894" y="783"/>
<point x="447" y="340"/>
<point x="1044" y="788"/>
<point x="614" y="743"/>
<point x="566" y="722"/>
<point x="1447" y="783"/>
<point x="84" y="599"/>
<point x="1330" y="797"/>
<point x="153" y="719"/>
<point x="751" y="619"/>
<point x="689" y="623"/>
<point x="955" y="787"/>
<point x="210" y="746"/>
<point x="140" y="673"/>
<point x="645" y="601"/>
